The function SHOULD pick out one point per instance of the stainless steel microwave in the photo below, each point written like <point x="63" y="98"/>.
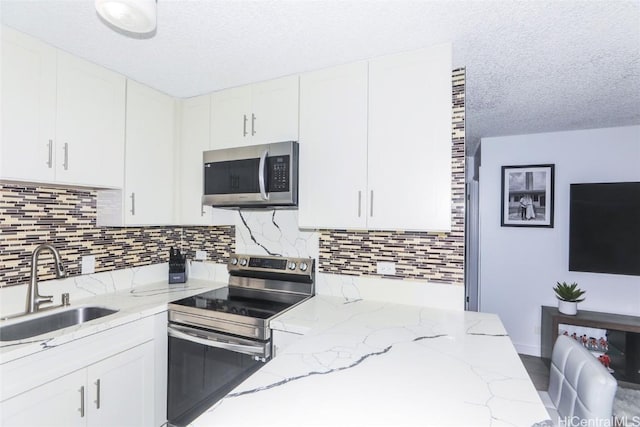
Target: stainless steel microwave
<point x="256" y="176"/>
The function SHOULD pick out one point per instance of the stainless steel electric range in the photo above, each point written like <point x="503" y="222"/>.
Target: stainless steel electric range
<point x="219" y="338"/>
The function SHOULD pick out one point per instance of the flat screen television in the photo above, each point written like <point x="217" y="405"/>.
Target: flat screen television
<point x="604" y="228"/>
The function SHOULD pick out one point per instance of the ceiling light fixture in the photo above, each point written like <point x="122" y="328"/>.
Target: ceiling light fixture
<point x="134" y="16"/>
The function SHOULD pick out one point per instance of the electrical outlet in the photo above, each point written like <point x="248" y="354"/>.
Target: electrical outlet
<point x="201" y="255"/>
<point x="88" y="265"/>
<point x="386" y="268"/>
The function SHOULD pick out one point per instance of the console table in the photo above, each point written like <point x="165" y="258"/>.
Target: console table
<point x="623" y="334"/>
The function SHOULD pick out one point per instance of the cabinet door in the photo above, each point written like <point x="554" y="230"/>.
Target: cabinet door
<point x="149" y="156"/>
<point x="121" y="389"/>
<point x="333" y="147"/>
<point x="194" y="139"/>
<point x="409" y="156"/>
<point x="231" y="118"/>
<point x="28" y="108"/>
<point x="61" y="402"/>
<point x="89" y="124"/>
<point x="274" y="111"/>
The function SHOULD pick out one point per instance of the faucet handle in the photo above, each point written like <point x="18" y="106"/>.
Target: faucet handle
<point x="65" y="299"/>
<point x="61" y="272"/>
<point x="41" y="299"/>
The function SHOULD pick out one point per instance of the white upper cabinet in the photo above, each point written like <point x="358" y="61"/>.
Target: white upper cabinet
<point x="90" y="124"/>
<point x="63" y="117"/>
<point x="147" y="197"/>
<point x="375" y="144"/>
<point x="409" y="155"/>
<point x="254" y="114"/>
<point x="28" y="108"/>
<point x="333" y="147"/>
<point x="274" y="114"/>
<point x="149" y="156"/>
<point x="193" y="141"/>
<point x="230" y="117"/>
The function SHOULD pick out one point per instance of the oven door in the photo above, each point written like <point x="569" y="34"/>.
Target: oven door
<point x="204" y="366"/>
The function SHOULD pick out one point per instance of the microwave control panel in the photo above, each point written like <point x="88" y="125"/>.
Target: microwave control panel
<point x="278" y="174"/>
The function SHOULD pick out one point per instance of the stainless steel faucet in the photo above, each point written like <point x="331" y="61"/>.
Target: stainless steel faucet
<point x="34" y="299"/>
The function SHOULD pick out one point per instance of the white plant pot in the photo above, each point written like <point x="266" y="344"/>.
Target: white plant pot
<point x="568" y="307"/>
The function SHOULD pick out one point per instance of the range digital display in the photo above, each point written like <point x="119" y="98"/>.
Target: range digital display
<point x="273" y="264"/>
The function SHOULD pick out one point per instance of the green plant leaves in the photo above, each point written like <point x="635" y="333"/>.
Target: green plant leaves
<point x="571" y="293"/>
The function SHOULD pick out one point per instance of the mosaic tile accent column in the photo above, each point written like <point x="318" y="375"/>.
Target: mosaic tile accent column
<point x="65" y="217"/>
<point x="436" y="257"/>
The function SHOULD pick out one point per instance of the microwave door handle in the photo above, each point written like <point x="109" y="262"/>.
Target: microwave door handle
<point x="261" y="183"/>
<point x="252" y="350"/>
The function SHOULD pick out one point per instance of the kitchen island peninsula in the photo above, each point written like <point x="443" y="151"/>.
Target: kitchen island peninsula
<point x="374" y="363"/>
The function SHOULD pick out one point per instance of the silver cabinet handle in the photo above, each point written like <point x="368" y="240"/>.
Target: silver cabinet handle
<point x="97" y="401"/>
<point x="371" y="206"/>
<point x="261" y="183"/>
<point x="253" y="124"/>
<point x="359" y="203"/>
<point x="133" y="203"/>
<point x="81" y="402"/>
<point x="50" y="161"/>
<point x="244" y="125"/>
<point x="202" y="212"/>
<point x="65" y="163"/>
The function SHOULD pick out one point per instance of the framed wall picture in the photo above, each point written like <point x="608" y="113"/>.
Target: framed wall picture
<point x="527" y="196"/>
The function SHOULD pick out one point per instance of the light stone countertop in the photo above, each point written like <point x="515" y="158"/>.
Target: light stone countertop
<point x="375" y="363"/>
<point x="133" y="304"/>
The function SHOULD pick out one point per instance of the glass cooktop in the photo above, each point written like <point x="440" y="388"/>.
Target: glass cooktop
<point x="223" y="301"/>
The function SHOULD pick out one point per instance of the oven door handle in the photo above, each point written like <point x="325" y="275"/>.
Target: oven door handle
<point x="199" y="338"/>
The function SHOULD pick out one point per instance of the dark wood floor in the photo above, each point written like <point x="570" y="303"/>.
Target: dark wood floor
<point x="538" y="370"/>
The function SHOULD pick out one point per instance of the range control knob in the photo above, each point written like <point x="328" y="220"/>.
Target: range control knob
<point x="303" y="266"/>
<point x="292" y="266"/>
<point x="234" y="261"/>
<point x="243" y="262"/>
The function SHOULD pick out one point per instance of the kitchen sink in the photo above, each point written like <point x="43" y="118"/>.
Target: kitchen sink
<point x="39" y="325"/>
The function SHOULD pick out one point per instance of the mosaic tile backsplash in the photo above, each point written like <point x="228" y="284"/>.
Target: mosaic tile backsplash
<point x="66" y="218"/>
<point x="436" y="257"/>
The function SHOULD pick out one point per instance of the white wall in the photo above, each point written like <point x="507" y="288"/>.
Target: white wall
<point x="519" y="266"/>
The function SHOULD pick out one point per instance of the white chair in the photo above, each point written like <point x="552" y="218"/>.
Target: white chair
<point x="580" y="388"/>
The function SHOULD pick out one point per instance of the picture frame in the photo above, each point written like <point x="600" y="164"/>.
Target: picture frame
<point x="527" y="196"/>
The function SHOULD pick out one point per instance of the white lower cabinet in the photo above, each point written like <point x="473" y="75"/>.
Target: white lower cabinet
<point x="113" y="378"/>
<point x="116" y="391"/>
<point x="56" y="403"/>
<point x="281" y="340"/>
<point x="120" y="389"/>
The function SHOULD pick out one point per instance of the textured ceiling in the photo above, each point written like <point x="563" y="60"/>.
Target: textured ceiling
<point x="532" y="66"/>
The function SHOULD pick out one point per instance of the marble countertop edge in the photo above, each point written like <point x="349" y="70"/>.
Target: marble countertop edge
<point x="132" y="305"/>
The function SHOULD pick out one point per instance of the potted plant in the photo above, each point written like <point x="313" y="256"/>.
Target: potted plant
<point x="568" y="297"/>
